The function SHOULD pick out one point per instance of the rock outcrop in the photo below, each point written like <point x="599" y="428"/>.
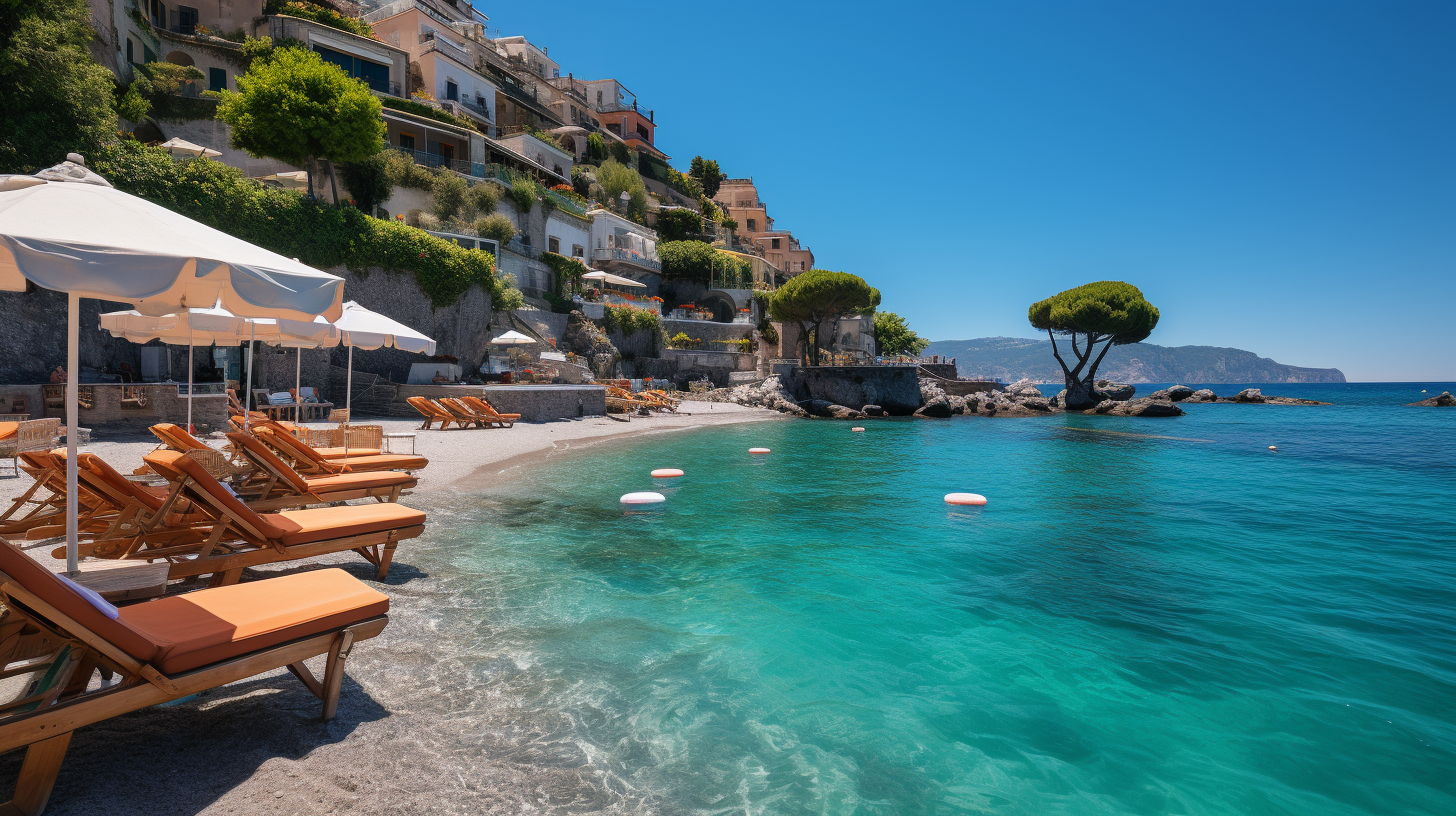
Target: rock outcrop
<point x="1248" y="395"/>
<point x="1176" y="393"/>
<point x="586" y="339"/>
<point x="1203" y="395"/>
<point x="830" y="410"/>
<point x="767" y="393"/>
<point x="1142" y="407"/>
<point x="1023" y="388"/>
<point x="1254" y="396"/>
<point x="1442" y="400"/>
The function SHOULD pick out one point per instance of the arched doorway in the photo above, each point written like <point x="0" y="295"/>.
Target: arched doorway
<point x="180" y="58"/>
<point x="723" y="307"/>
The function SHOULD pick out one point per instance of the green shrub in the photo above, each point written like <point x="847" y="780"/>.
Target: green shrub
<point x="596" y="149"/>
<point x="484" y="196"/>
<point x="368" y="181"/>
<point x="319" y="14"/>
<point x="695" y="260"/>
<point x="285" y="222"/>
<point x="565" y="270"/>
<point x="498" y="227"/>
<point x="582" y="179"/>
<point x="524" y="194"/>
<point x="448" y="195"/>
<point x="418" y="109"/>
<point x="621" y="153"/>
<point x="403" y="172"/>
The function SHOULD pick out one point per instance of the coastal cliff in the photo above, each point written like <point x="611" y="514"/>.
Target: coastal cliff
<point x="1014" y="358"/>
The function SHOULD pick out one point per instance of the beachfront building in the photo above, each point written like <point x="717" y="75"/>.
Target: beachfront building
<point x="624" y="247"/>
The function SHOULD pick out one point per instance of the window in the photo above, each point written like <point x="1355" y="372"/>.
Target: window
<point x="578" y="251"/>
<point x="186" y="20"/>
<point x="452" y="91"/>
<point x="375" y="75"/>
<point x="775" y="243"/>
<point x="216" y="79"/>
<point x="447" y="151"/>
<point x="752" y="225"/>
<point x="407" y="141"/>
<point x="553" y="244"/>
<point x="147" y="55"/>
<point x="642" y="131"/>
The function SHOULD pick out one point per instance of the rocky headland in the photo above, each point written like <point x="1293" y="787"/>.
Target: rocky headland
<point x="1020" y="399"/>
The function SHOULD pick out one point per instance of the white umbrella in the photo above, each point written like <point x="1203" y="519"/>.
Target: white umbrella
<point x="512" y="338"/>
<point x="68" y="230"/>
<point x="182" y="147"/>
<point x="361" y="328"/>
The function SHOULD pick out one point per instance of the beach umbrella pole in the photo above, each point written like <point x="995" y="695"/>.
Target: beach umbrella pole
<point x="189" y="382"/>
<point x="348" y="400"/>
<point x="73" y="399"/>
<point x="248" y="388"/>
<point x="298" y="385"/>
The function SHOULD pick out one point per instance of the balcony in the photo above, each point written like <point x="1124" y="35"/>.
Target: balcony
<point x="618" y="255"/>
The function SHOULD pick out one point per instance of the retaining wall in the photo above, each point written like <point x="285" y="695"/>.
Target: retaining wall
<point x="894" y="388"/>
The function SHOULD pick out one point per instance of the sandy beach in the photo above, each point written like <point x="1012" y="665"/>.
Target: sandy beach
<point x="416" y="732"/>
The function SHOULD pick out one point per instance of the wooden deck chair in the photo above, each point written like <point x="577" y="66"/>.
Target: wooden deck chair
<point x="432" y="413"/>
<point x="235" y="406"/>
<point x="45" y="498"/>
<point x="176" y="437"/>
<point x="309" y="463"/>
<point x="240" y="537"/>
<point x="462" y="412"/>
<point x="56" y="638"/>
<point x="334" y="452"/>
<point x="310" y="404"/>
<point x="486" y="409"/>
<point x="126" y="513"/>
<point x="275" y="485"/>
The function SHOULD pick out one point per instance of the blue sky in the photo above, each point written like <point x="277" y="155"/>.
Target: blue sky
<point x="1279" y="177"/>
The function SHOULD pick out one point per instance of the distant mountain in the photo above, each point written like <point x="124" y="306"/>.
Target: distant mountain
<point x="1012" y="358"/>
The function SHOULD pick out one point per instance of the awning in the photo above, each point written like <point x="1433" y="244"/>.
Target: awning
<point x="182" y="147"/>
<point x="607" y="277"/>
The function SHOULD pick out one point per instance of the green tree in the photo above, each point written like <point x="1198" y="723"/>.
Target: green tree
<point x="368" y="182"/>
<point x="484" y="197"/>
<point x="1109" y="312"/>
<point x="708" y="175"/>
<point x="679" y="225"/>
<point x="688" y="260"/>
<point x="54" y="98"/>
<point x="616" y="178"/>
<point x="296" y="108"/>
<point x="816" y="297"/>
<point x="894" y="336"/>
<point x="497" y="227"/>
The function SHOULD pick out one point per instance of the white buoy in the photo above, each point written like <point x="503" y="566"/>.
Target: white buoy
<point x="643" y="498"/>
<point x="1272" y="448"/>
<point x="857" y="429"/>
<point x="759" y="450"/>
<point x="973" y="499"/>
<point x="666" y="473"/>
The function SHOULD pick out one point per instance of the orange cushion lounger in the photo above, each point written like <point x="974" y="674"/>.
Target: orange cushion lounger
<point x="307" y="461"/>
<point x="166" y="649"/>
<point x="241" y="537"/>
<point x="433" y="413"/>
<point x="483" y="407"/>
<point x="274" y="484"/>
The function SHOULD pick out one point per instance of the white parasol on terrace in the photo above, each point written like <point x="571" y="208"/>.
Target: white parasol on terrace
<point x="512" y="338"/>
<point x="68" y="230"/>
<point x="180" y="147"/>
<point x="617" y="280"/>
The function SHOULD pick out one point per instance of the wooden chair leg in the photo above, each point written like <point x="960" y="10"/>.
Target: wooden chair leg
<point x="226" y="577"/>
<point x="38" y="774"/>
<point x="385" y="558"/>
<point x="334" y="672"/>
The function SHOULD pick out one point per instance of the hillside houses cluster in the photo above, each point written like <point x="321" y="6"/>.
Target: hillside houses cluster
<point x="460" y="97"/>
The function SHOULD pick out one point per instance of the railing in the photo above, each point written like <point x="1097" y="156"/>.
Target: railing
<point x="567" y="204"/>
<point x="524" y="250"/>
<point x="450" y="50"/>
<point x="436" y="160"/>
<point x="617" y="107"/>
<point x="618" y="254"/>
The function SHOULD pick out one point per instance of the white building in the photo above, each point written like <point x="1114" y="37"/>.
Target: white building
<point x="568" y="235"/>
<point x="621" y="246"/>
<point x="549" y="155"/>
<point x="530" y="58"/>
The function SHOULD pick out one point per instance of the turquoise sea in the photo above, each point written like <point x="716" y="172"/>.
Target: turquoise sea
<point x="1150" y="616"/>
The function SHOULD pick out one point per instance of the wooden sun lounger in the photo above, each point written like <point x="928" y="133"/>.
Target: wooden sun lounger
<point x="125" y="512"/>
<point x="486" y="409"/>
<point x="49" y="470"/>
<point x="158" y="651"/>
<point x="240" y="537"/>
<point x="275" y="485"/>
<point x="293" y="430"/>
<point x="462" y="413"/>
<point x="308" y="462"/>
<point x="433" y="413"/>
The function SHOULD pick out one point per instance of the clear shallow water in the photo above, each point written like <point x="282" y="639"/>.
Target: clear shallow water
<point x="1133" y="625"/>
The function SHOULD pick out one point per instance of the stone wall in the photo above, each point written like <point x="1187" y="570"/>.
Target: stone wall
<point x="33" y="337"/>
<point x="708" y="331"/>
<point x="894" y="388"/>
<point x="640" y="343"/>
<point x="108" y="410"/>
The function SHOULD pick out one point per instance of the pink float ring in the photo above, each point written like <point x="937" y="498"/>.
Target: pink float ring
<point x="759" y="450"/>
<point x="643" y="498"/>
<point x="666" y="473"/>
<point x="970" y="499"/>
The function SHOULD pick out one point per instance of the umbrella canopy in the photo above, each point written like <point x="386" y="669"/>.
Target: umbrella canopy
<point x="182" y="147"/>
<point x="192" y="327"/>
<point x="98" y="242"/>
<point x="295" y="180"/>
<point x="68" y="230"/>
<point x="512" y="338"/>
<point x="607" y="277"/>
<point x="364" y="329"/>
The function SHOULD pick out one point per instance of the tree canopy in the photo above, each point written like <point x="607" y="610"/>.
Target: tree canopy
<point x="679" y="225"/>
<point x="894" y="336"/>
<point x="1109" y="312"/>
<point x="708" y="175"/>
<point x="54" y="98"/>
<point x="813" y="298"/>
<point x="294" y="107"/>
<point x="616" y="178"/>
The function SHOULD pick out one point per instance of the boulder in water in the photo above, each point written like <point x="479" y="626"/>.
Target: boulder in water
<point x="1442" y="400"/>
<point x="1115" y="391"/>
<point x="1249" y="395"/>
